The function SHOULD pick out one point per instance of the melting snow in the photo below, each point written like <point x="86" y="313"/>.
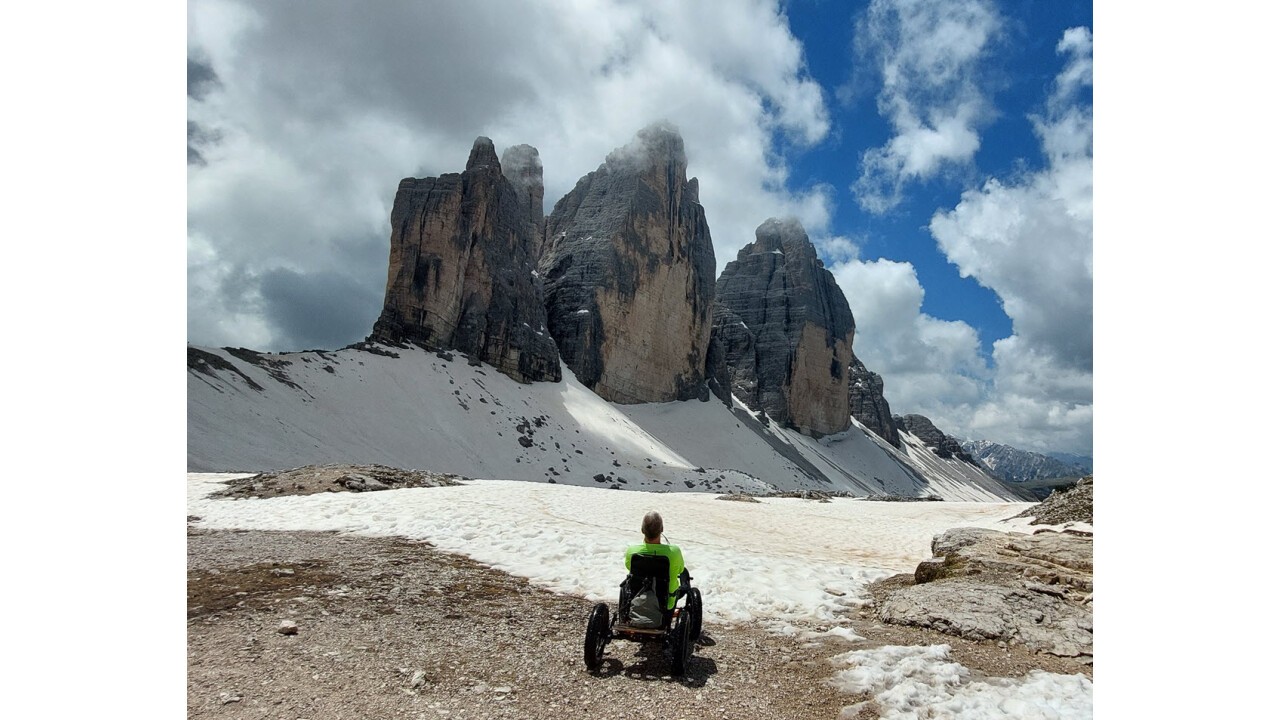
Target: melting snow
<point x="919" y="682"/>
<point x="814" y="567"/>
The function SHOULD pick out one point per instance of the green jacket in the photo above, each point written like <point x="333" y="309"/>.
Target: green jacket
<point x="675" y="564"/>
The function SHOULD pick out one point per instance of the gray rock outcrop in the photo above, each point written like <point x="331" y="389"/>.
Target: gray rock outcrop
<point x="522" y="167"/>
<point x="629" y="274"/>
<point x="717" y="368"/>
<point x="1036" y="590"/>
<point x="867" y="403"/>
<point x="461" y="271"/>
<point x="1074" y="505"/>
<point x="786" y="331"/>
<point x="944" y="446"/>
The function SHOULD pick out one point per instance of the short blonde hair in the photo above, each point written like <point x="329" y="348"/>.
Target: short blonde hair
<point x="652" y="525"/>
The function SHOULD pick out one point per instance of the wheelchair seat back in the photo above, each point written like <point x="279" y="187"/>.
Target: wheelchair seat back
<point x="651" y="572"/>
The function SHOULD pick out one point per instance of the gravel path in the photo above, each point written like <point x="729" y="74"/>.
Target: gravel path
<point x="388" y="629"/>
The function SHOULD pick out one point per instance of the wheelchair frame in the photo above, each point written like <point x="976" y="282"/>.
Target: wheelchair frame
<point x="681" y="625"/>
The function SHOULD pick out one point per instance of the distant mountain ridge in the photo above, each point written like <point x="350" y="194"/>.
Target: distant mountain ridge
<point x="1081" y="461"/>
<point x="1018" y="466"/>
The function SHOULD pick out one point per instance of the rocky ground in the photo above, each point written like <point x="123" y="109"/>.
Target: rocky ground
<point x="319" y="625"/>
<point x="313" y="479"/>
<point x="1073" y="505"/>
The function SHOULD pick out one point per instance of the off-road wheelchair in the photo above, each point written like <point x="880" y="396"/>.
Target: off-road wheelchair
<point x="680" y="628"/>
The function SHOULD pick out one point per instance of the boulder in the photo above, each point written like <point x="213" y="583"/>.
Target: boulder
<point x="461" y="274"/>
<point x="1036" y="590"/>
<point x="786" y="331"/>
<point x="976" y="610"/>
<point x="629" y="274"/>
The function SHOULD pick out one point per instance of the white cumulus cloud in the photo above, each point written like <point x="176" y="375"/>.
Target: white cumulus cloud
<point x="1028" y="238"/>
<point x="928" y="363"/>
<point x="927" y="54"/>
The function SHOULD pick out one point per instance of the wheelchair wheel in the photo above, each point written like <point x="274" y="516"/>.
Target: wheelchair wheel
<point x="681" y="644"/>
<point x="597" y="636"/>
<point x="694" y="608"/>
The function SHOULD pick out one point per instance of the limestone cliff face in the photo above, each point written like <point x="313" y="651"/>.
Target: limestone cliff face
<point x="629" y="275"/>
<point x="786" y="331"/>
<point x="461" y="272"/>
<point x="867" y="403"/>
<point x="522" y="167"/>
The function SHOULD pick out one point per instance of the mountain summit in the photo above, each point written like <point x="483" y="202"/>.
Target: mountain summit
<point x="629" y="273"/>
<point x="461" y="271"/>
<point x="786" y="330"/>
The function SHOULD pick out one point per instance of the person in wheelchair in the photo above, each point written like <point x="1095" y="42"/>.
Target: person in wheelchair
<point x="642" y="604"/>
<point x="648" y="603"/>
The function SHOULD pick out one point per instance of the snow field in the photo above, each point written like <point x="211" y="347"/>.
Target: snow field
<point x="792" y="565"/>
<point x="780" y="560"/>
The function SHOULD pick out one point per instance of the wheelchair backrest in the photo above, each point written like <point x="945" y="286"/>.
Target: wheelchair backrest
<point x="655" y="568"/>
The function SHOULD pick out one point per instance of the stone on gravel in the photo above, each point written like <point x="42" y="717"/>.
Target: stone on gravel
<point x="287" y="627"/>
<point x="987" y="611"/>
<point x="737" y="497"/>
<point x="356" y="482"/>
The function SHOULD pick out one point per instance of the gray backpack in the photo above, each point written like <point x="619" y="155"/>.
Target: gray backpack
<point x="648" y="588"/>
<point x="645" y="612"/>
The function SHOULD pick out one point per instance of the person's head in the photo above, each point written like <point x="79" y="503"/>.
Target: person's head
<point x="652" y="527"/>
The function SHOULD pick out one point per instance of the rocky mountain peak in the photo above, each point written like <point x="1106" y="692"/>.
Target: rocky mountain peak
<point x="944" y="445"/>
<point x="867" y="403"/>
<point x="522" y="167"/>
<point x="781" y="235"/>
<point x="629" y="273"/>
<point x="461" y="269"/>
<point x="483" y="155"/>
<point x="785" y="331"/>
<point x="657" y="147"/>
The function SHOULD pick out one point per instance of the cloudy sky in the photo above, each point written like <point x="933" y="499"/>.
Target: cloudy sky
<point x="940" y="155"/>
